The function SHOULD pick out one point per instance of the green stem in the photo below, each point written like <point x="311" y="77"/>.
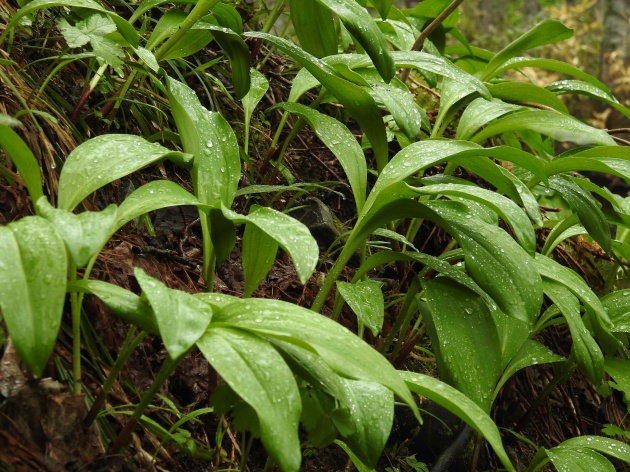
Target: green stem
<point x="209" y="256"/>
<point x="274" y="14"/>
<point x="162" y="375"/>
<point x="128" y="347"/>
<point x="201" y="9"/>
<point x="75" y="308"/>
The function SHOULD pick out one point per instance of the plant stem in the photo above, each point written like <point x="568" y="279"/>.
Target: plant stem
<point x="75" y="307"/>
<point x="160" y="378"/>
<point x="417" y="46"/>
<point x="128" y="346"/>
<point x="201" y="9"/>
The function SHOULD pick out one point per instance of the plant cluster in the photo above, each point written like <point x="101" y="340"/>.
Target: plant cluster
<point x="486" y="167"/>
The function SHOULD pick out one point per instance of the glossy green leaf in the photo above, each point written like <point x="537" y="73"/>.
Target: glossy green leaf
<point x="24" y="161"/>
<point x="587" y="353"/>
<point x="129" y="306"/>
<point x="577" y="163"/>
<point x="554" y="65"/>
<point x="383" y="7"/>
<point x="504" y="207"/>
<point x="33" y="271"/>
<point x="617" y="305"/>
<point x="400" y="34"/>
<point x="101" y="160"/>
<point x="372" y="415"/>
<point x="169" y="22"/>
<point x="480" y="112"/>
<point x="578" y="459"/>
<point x="344" y="352"/>
<point x="211" y="140"/>
<point x="531" y="353"/>
<point x="599" y="318"/>
<point x="619" y="370"/>
<point x="453" y="95"/>
<point x="259" y="253"/>
<point x="586" y="207"/>
<point x="341" y="142"/>
<point x="525" y="92"/>
<point x="238" y="53"/>
<point x="608" y="446"/>
<point x="545" y="32"/>
<point x="401" y="104"/>
<point x="257" y="90"/>
<point x="549" y="123"/>
<point x="84" y="234"/>
<point x="358" y="102"/>
<point x="363" y="28"/>
<point x="259" y="375"/>
<point x="460" y="405"/>
<point x="563" y="87"/>
<point x="152" y="196"/>
<point x="181" y="318"/>
<point x="125" y="28"/>
<point x="464" y="338"/>
<point x="365" y="298"/>
<point x="228" y="17"/>
<point x="507" y="274"/>
<point x="314" y="27"/>
<point x="292" y="236"/>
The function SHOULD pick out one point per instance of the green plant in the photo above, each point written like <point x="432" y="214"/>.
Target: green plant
<point x="483" y="299"/>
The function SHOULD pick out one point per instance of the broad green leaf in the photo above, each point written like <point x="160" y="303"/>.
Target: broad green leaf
<point x="584" y="88"/>
<point x="101" y="160"/>
<point x="24" y="161"/>
<point x="586" y="207"/>
<point x="228" y="17"/>
<point x="358" y="102"/>
<point x="148" y="58"/>
<point x="504" y="207"/>
<point x="372" y="414"/>
<point x="452" y="95"/>
<point x="545" y="32"/>
<point x="465" y="339"/>
<point x="550" y="123"/>
<point x="508" y="274"/>
<point x="480" y="112"/>
<point x="125" y="28"/>
<point x="530" y="353"/>
<point x="259" y="254"/>
<point x="364" y="29"/>
<point x="617" y="305"/>
<point x="259" y="375"/>
<point x="129" y="306"/>
<point x="344" y="352"/>
<point x="619" y="370"/>
<point x="33" y="271"/>
<point x="608" y="446"/>
<point x="578" y="459"/>
<point x="238" y="53"/>
<point x="551" y="270"/>
<point x="554" y="65"/>
<point x="181" y="318"/>
<point x="341" y="142"/>
<point x="152" y="196"/>
<point x="360" y="466"/>
<point x="577" y="163"/>
<point x="401" y="104"/>
<point x="587" y="353"/>
<point x="365" y="298"/>
<point x="460" y="405"/>
<point x="167" y="25"/>
<point x="93" y="30"/>
<point x="292" y="236"/>
<point x="257" y="90"/>
<point x="400" y="34"/>
<point x="525" y="92"/>
<point x="210" y="139"/>
<point x="314" y="27"/>
<point x="84" y="234"/>
<point x="383" y="7"/>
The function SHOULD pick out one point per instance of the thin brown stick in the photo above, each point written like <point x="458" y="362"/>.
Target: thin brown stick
<point x="417" y="46"/>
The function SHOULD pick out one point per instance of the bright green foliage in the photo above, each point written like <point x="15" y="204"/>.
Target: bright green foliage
<point x="476" y="154"/>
